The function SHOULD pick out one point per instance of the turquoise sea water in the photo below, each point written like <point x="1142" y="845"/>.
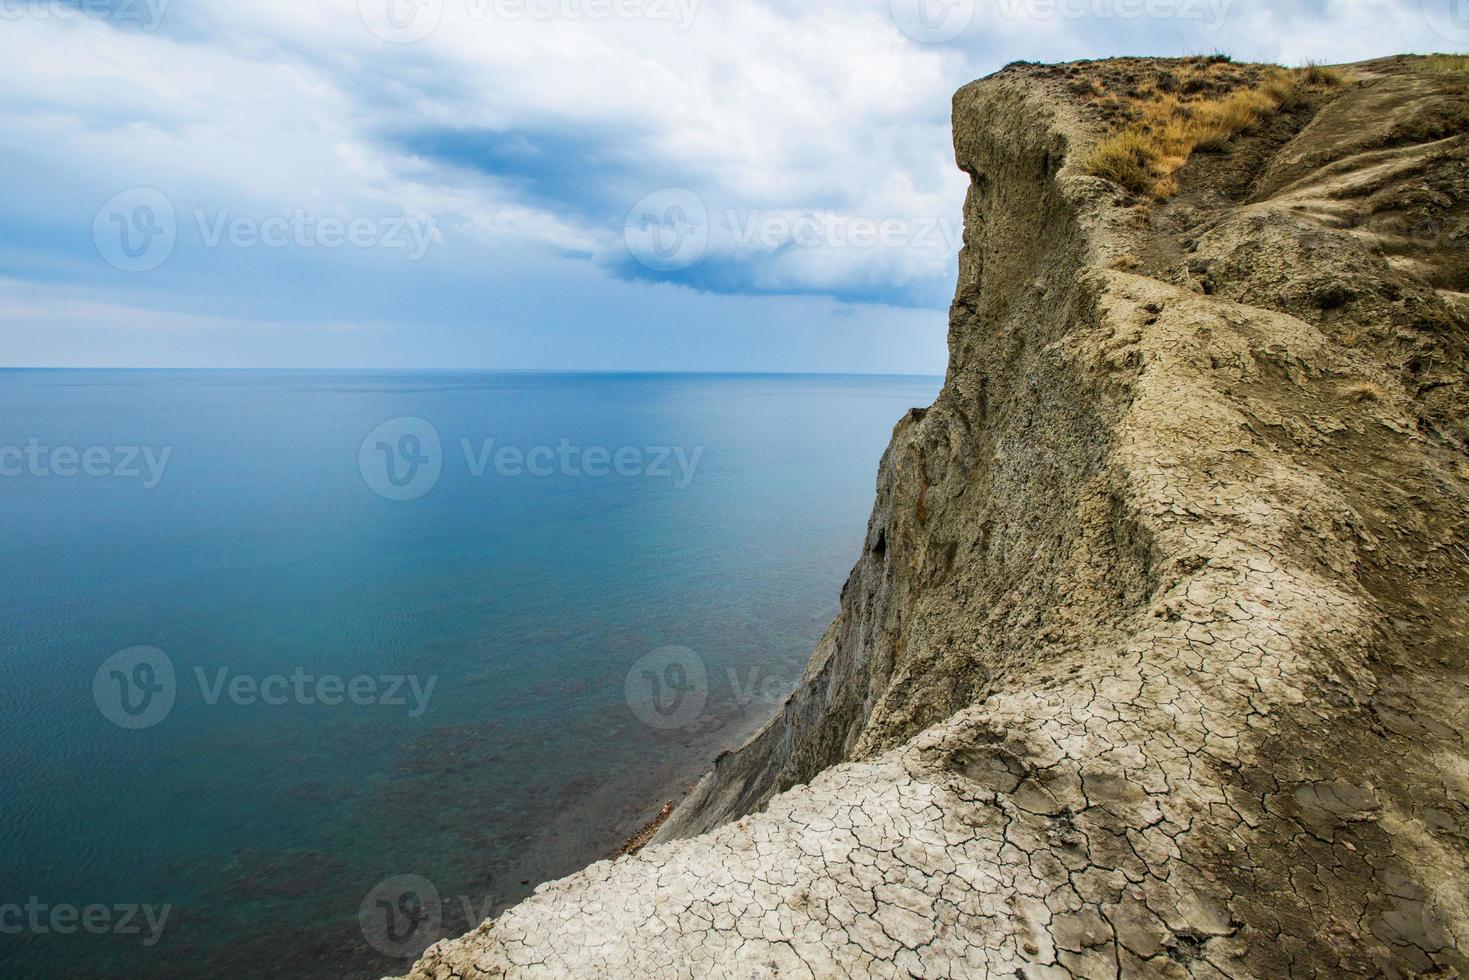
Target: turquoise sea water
<point x="596" y="622"/>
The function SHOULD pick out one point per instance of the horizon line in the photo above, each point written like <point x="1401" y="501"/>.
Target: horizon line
<point x="579" y="371"/>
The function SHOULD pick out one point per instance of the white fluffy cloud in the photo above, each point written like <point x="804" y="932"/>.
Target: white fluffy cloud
<point x="539" y="123"/>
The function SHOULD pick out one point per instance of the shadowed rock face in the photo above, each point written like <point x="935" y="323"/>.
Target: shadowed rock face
<point x="1154" y="663"/>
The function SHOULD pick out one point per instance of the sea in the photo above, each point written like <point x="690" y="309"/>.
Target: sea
<point x="303" y="670"/>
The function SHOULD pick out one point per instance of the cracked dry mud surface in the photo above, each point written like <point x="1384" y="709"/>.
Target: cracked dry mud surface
<point x="1154" y="663"/>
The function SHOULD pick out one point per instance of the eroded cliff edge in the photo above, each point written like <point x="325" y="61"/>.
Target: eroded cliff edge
<point x="1154" y="663"/>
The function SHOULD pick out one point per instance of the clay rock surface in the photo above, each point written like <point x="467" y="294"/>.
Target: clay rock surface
<point x="1154" y="662"/>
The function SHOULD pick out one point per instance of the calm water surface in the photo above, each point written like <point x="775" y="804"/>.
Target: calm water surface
<point x="593" y="635"/>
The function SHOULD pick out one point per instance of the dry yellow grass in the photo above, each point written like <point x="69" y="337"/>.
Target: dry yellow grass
<point x="1144" y="157"/>
<point x="1444" y="64"/>
<point x="1215" y="123"/>
<point x="1364" y="392"/>
<point x="1284" y="87"/>
<point x="1125" y="159"/>
<point x="1320" y="76"/>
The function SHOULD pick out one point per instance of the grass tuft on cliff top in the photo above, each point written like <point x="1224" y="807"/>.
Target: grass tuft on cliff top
<point x="1168" y="130"/>
<point x="1445" y="64"/>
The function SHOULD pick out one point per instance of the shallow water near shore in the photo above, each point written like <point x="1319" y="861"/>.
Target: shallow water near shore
<point x="389" y="661"/>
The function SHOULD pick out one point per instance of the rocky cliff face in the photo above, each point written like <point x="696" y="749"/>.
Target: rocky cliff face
<point x="1154" y="663"/>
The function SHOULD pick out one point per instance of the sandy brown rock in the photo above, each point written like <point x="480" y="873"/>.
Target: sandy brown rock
<point x="1154" y="664"/>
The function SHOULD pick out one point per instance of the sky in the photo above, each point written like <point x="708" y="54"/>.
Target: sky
<point x="625" y="185"/>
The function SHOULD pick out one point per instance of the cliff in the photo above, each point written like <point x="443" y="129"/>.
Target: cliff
<point x="1154" y="662"/>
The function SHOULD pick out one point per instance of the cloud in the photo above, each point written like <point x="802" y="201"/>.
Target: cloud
<point x="539" y="125"/>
